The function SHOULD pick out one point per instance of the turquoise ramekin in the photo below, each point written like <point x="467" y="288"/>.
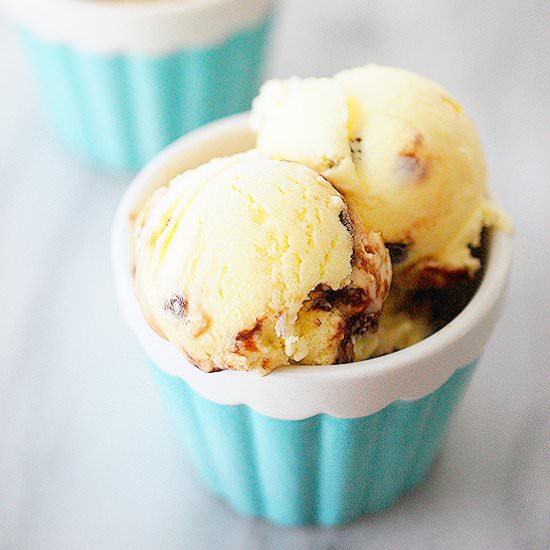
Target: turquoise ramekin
<point x="118" y="101"/>
<point x="308" y="445"/>
<point x="319" y="470"/>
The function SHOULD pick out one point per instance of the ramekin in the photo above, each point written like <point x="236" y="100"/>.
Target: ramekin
<point x="308" y="445"/>
<point x="121" y="80"/>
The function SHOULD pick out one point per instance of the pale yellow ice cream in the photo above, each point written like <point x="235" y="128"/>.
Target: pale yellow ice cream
<point x="402" y="151"/>
<point x="250" y="263"/>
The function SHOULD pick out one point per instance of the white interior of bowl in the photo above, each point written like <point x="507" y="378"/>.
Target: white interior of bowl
<point x="350" y="390"/>
<point x="148" y="28"/>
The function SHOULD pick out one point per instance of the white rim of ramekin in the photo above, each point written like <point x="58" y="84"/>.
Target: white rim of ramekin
<point x="148" y="28"/>
<point x="345" y="391"/>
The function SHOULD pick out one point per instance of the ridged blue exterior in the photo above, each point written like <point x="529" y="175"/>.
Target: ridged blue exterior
<point x="320" y="470"/>
<point x="119" y="111"/>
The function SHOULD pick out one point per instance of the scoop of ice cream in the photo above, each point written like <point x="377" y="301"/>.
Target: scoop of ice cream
<point x="404" y="154"/>
<point x="250" y="263"/>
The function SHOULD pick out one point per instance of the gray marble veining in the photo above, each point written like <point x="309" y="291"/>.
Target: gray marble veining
<point x="86" y="460"/>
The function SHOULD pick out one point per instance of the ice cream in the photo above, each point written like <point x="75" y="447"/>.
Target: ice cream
<point x="250" y="263"/>
<point x="277" y="257"/>
<point x="401" y="150"/>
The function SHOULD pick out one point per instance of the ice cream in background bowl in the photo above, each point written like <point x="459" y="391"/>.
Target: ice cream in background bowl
<point x="208" y="241"/>
<point x="121" y="80"/>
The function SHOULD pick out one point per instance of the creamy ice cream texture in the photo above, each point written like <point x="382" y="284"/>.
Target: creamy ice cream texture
<point x="401" y="150"/>
<point x="250" y="263"/>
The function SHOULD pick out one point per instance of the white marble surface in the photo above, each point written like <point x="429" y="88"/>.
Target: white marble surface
<point x="86" y="460"/>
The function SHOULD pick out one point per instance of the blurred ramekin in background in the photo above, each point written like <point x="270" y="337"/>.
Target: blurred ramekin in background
<point x="121" y="80"/>
<point x="308" y="445"/>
